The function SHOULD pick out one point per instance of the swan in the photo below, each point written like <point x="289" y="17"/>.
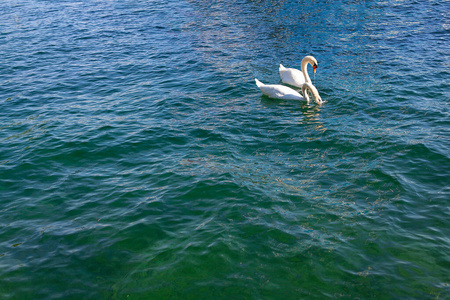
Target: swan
<point x="279" y="91"/>
<point x="295" y="77"/>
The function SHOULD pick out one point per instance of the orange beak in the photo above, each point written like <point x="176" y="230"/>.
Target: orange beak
<point x="314" y="68"/>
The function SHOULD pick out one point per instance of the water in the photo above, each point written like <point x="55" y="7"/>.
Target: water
<point x="138" y="160"/>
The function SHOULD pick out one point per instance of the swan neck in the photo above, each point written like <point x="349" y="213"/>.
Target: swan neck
<point x="305" y="93"/>
<point x="305" y="70"/>
<point x="314" y="94"/>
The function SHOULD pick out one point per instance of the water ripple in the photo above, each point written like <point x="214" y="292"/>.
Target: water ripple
<point x="138" y="158"/>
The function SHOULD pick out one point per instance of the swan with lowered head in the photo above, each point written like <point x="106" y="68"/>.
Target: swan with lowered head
<point x="295" y="77"/>
<point x="279" y="91"/>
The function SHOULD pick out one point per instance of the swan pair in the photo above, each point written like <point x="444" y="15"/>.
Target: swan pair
<point x="296" y="78"/>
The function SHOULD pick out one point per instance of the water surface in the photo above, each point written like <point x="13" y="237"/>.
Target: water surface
<point x="138" y="159"/>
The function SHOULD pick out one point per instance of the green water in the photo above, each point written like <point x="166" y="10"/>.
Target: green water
<point x="138" y="159"/>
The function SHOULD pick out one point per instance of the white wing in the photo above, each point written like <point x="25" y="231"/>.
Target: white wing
<point x="291" y="76"/>
<point x="278" y="91"/>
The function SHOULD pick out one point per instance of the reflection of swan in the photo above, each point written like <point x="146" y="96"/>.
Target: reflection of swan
<point x="295" y="77"/>
<point x="279" y="91"/>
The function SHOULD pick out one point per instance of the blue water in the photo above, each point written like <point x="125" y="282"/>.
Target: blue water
<point x="138" y="159"/>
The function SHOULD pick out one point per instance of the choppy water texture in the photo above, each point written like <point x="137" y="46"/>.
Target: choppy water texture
<point x="138" y="160"/>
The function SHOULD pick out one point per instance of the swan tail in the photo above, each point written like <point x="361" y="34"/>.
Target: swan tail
<point x="259" y="83"/>
<point x="281" y="68"/>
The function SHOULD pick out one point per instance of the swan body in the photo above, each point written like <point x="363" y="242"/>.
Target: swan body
<point x="279" y="91"/>
<point x="296" y="77"/>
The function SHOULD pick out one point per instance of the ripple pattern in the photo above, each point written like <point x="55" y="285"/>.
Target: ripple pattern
<point x="139" y="161"/>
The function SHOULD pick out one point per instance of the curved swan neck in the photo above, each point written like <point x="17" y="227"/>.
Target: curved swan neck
<point x="305" y="61"/>
<point x="314" y="92"/>
<point x="305" y="89"/>
<point x="304" y="67"/>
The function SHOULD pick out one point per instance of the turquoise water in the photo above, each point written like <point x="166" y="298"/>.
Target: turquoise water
<point x="138" y="160"/>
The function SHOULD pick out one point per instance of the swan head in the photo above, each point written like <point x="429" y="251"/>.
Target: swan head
<point x="312" y="61"/>
<point x="314" y="92"/>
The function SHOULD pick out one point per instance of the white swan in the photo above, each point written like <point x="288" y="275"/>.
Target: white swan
<point x="279" y="91"/>
<point x="295" y="77"/>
